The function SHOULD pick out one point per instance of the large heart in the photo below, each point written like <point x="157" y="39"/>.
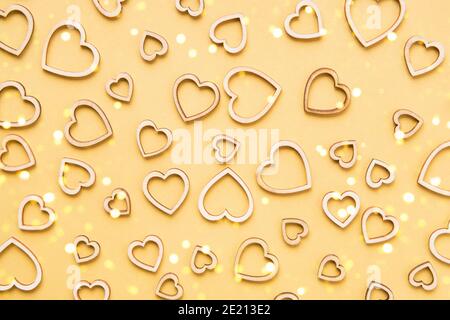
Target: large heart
<point x="4" y="149"/>
<point x="30" y="22"/>
<point x="421" y="180"/>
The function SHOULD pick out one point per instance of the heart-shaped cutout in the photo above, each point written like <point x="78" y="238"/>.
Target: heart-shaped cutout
<point x="349" y="214"/>
<point x="405" y="113"/>
<point x="150" y="124"/>
<point x="73" y="121"/>
<point x="149" y="239"/>
<point x="286" y="296"/>
<point x="15" y="282"/>
<point x="272" y="272"/>
<point x="192" y="12"/>
<point x="386" y="219"/>
<point x="91" y="285"/>
<point x="331" y="258"/>
<point x="65" y="167"/>
<point x="29" y="99"/>
<point x="304" y="4"/>
<point x="44" y="209"/>
<point x="367" y="43"/>
<point x="271" y="162"/>
<point x="4" y="150"/>
<point x="434" y="45"/>
<point x="423" y="173"/>
<point x="227" y="19"/>
<point x="340" y="105"/>
<point x="93" y="245"/>
<point x="203" y="250"/>
<point x="220" y="157"/>
<point x="30" y="22"/>
<point x="205" y="84"/>
<point x="225" y="213"/>
<point x="169" y="277"/>
<point x="378" y="183"/>
<point x="123" y="76"/>
<point x="109" y="13"/>
<point x="423" y="267"/>
<point x="154" y="36"/>
<point x="294" y="241"/>
<point x="344" y="144"/>
<point x="121" y="195"/>
<point x="374" y="285"/>
<point x="71" y="74"/>
<point x="270" y="101"/>
<point x="159" y="175"/>
<point x="432" y="244"/>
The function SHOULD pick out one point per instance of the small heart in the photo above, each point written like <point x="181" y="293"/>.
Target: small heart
<point x="123" y="76"/>
<point x="64" y="167"/>
<point x="423" y="173"/>
<point x="344" y="144"/>
<point x="90" y="285"/>
<point x="268" y="256"/>
<point x="107" y="13"/>
<point x="198" y="250"/>
<point x="296" y="15"/>
<point x="169" y="277"/>
<point x="205" y="84"/>
<point x="339" y="107"/>
<point x="71" y="74"/>
<point x="119" y="194"/>
<point x="46" y="210"/>
<point x="420" y="40"/>
<point x="30" y="22"/>
<point x="4" y="150"/>
<point x="73" y="121"/>
<point x="149" y="239"/>
<point x="223" y="20"/>
<point x="424" y="267"/>
<point x="374" y="285"/>
<point x="432" y="244"/>
<point x="150" y="124"/>
<point x="299" y="236"/>
<point x="407" y="114"/>
<point x="377" y="184"/>
<point x="286" y="296"/>
<point x="82" y="239"/>
<point x="386" y="219"/>
<point x="152" y="56"/>
<point x="217" y="152"/>
<point x="350" y="214"/>
<point x="331" y="258"/>
<point x="193" y="13"/>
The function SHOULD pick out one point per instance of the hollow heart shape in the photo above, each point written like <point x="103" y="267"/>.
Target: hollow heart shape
<point x="93" y="244"/>
<point x="225" y="213"/>
<point x="374" y="285"/>
<point x="432" y="244"/>
<point x="85" y="284"/>
<point x="121" y="194"/>
<point x="435" y="44"/>
<point x="429" y="286"/>
<point x="73" y="120"/>
<point x="286" y="296"/>
<point x="421" y="180"/>
<point x="165" y="131"/>
<point x="406" y="113"/>
<point x="342" y="87"/>
<point x="153" y="55"/>
<point x="296" y="14"/>
<point x="153" y="239"/>
<point x="206" y="251"/>
<point x="234" y="97"/>
<point x="30" y="22"/>
<point x="225" y="138"/>
<point x="337" y="262"/>
<point x="274" y="260"/>
<point x="71" y="74"/>
<point x="29" y="99"/>
<point x="4" y="149"/>
<point x="169" y="277"/>
<point x="386" y="218"/>
<point x="212" y="33"/>
<point x="299" y="236"/>
<point x="121" y="76"/>
<point x="16" y="283"/>
<point x="205" y="84"/>
<point x="157" y="174"/>
<point x="81" y="184"/>
<point x="42" y="207"/>
<point x="109" y="14"/>
<point x="338" y="196"/>
<point x="340" y="144"/>
<point x="381" y="181"/>
<point x="192" y="13"/>
<point x="359" y="36"/>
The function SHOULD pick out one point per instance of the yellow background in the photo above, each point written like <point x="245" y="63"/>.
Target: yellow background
<point x="381" y="74"/>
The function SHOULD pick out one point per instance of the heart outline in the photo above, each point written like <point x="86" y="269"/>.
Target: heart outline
<point x="30" y="28"/>
<point x="81" y="184"/>
<point x="42" y="207"/>
<point x="154" y="55"/>
<point x="426" y="286"/>
<point x="434" y="44"/>
<point x="110" y="198"/>
<point x="374" y="240"/>
<point x="207" y="266"/>
<point x="215" y="146"/>
<point x="432" y="244"/>
<point x="93" y="244"/>
<point x="378" y="285"/>
<point x="165" y="131"/>
<point x="343" y="164"/>
<point x="377" y="184"/>
<point x="225" y="19"/>
<point x="178" y="286"/>
<point x="4" y="149"/>
<point x="299" y="236"/>
<point x="109" y="14"/>
<point x="408" y="113"/>
<point x="192" y="13"/>
<point x="286" y="296"/>
<point x="137" y="243"/>
<point x="337" y="262"/>
<point x="121" y="76"/>
<point x="296" y="14"/>
<point x="423" y="172"/>
<point x="340" y="196"/>
<point x="97" y="283"/>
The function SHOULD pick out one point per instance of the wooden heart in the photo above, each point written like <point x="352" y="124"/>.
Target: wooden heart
<point x="30" y="27"/>
<point x="386" y="218"/>
<point x="44" y="209"/>
<point x="4" y="150"/>
<point x="436" y="45"/>
<point x="149" y="239"/>
<point x="331" y="258"/>
<point x="172" y="277"/>
<point x="92" y="244"/>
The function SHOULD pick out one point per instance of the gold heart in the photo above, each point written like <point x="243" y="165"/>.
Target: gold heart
<point x="296" y="14"/>
<point x="153" y="55"/>
<point x="29" y="99"/>
<point x="42" y="207"/>
<point x="299" y="236"/>
<point x="432" y="243"/>
<point x="82" y="184"/>
<point x="338" y="196"/>
<point x="217" y="154"/>
<point x="361" y="39"/>
<point x="93" y="244"/>
<point x="421" y="267"/>
<point x="421" y="180"/>
<point x="374" y="285"/>
<point x="205" y="84"/>
<point x="30" y="22"/>
<point x="334" y="259"/>
<point x="121" y="76"/>
<point x="335" y="157"/>
<point x="73" y="120"/>
<point x="267" y="255"/>
<point x="164" y="176"/>
<point x="192" y="13"/>
<point x="206" y="251"/>
<point x="117" y="193"/>
<point x="383" y="238"/>
<point x="70" y="74"/>
<point x="417" y="39"/>
<point x="212" y="33"/>
<point x="151" y="238"/>
<point x="16" y="283"/>
<point x="109" y="14"/>
<point x="406" y="113"/>
<point x="97" y="283"/>
<point x="234" y="96"/>
<point x="169" y="277"/>
<point x="4" y="149"/>
<point x="165" y="131"/>
<point x="377" y="184"/>
<point x="337" y="85"/>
